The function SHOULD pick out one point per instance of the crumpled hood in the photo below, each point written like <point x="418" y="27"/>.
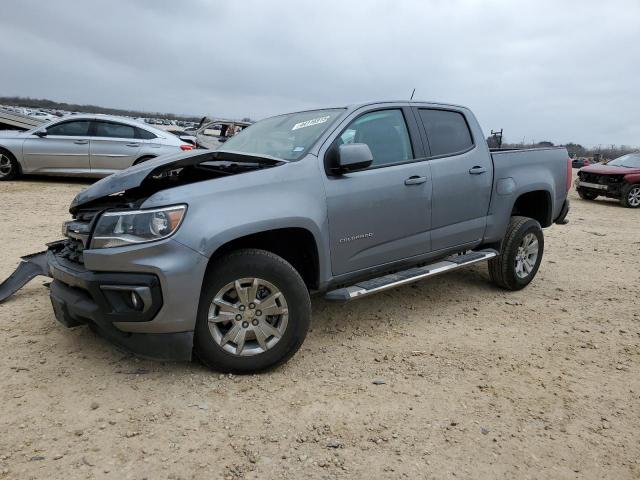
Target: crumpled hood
<point x="134" y="177"/>
<point x="130" y="178"/>
<point x="609" y="170"/>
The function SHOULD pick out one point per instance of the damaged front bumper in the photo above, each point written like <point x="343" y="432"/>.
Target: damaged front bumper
<point x="144" y="303"/>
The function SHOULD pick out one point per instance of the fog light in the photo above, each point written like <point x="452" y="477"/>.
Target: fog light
<point x="136" y="301"/>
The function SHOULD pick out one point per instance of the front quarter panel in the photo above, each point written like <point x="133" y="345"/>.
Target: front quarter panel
<point x="14" y="146"/>
<point x="224" y="209"/>
<point x="632" y="178"/>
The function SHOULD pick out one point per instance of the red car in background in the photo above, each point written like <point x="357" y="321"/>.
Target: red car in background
<point x="620" y="179"/>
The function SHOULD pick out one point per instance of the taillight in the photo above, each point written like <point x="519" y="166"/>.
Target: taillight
<point x="569" y="174"/>
<point x="185" y="147"/>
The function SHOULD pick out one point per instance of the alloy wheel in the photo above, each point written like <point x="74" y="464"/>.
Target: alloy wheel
<point x="248" y="316"/>
<point x="527" y="255"/>
<point x="5" y="166"/>
<point x="634" y="197"/>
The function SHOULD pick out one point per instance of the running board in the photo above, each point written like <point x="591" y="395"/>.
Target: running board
<point x="369" y="287"/>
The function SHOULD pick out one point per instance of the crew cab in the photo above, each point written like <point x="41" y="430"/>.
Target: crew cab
<point x="216" y="253"/>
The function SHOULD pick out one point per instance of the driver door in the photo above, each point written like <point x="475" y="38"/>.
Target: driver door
<point x="383" y="213"/>
<point x="64" y="149"/>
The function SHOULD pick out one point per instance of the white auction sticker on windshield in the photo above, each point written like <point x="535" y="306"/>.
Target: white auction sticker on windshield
<point x="308" y="123"/>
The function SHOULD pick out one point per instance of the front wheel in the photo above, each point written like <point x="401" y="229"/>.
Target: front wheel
<point x="519" y="260"/>
<point x="9" y="167"/>
<point x="254" y="312"/>
<point x="630" y="196"/>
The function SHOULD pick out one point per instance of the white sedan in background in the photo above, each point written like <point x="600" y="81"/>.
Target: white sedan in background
<point x="83" y="145"/>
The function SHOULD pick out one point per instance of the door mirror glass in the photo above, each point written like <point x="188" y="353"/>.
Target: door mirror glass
<point x="353" y="157"/>
<point x="41" y="133"/>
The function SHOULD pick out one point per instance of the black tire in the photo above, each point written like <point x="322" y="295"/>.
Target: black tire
<point x="502" y="269"/>
<point x="630" y="195"/>
<point x="587" y="195"/>
<point x="253" y="263"/>
<point x="9" y="166"/>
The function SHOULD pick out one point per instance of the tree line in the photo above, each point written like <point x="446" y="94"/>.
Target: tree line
<point x="37" y="103"/>
<point x="575" y="149"/>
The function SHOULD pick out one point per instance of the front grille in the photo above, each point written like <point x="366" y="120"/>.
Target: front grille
<point x="72" y="250"/>
<point x="78" y="233"/>
<point x="593" y="178"/>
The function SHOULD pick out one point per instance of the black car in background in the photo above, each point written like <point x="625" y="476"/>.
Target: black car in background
<point x="580" y="162"/>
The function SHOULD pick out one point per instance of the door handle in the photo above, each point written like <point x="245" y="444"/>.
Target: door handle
<point x="477" y="170"/>
<point x="415" y="180"/>
<point x="133" y="144"/>
<point x="81" y="142"/>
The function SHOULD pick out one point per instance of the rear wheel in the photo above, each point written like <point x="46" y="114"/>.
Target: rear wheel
<point x="587" y="195"/>
<point x="9" y="167"/>
<point x="519" y="260"/>
<point x="630" y="196"/>
<point x="254" y="313"/>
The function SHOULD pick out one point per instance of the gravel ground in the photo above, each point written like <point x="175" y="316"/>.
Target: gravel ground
<point x="447" y="378"/>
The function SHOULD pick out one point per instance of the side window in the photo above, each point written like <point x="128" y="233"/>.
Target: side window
<point x="79" y="128"/>
<point x="143" y="134"/>
<point x="114" y="130"/>
<point x="386" y="134"/>
<point x="447" y="131"/>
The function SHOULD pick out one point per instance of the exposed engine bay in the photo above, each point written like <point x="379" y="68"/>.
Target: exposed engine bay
<point x="128" y="190"/>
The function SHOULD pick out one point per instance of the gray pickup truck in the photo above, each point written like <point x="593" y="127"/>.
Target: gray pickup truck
<point x="215" y="253"/>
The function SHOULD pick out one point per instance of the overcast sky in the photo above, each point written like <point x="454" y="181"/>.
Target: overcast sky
<point x="542" y="70"/>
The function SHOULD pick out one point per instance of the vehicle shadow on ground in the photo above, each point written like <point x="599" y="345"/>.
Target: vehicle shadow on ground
<point x="56" y="180"/>
<point x="434" y="294"/>
<point x="427" y="295"/>
<point x="607" y="202"/>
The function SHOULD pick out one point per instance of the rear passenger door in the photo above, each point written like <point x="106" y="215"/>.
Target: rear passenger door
<point x="114" y="146"/>
<point x="462" y="174"/>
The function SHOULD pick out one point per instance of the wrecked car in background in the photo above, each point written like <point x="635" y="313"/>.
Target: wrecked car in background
<point x="216" y="253"/>
<point x="619" y="179"/>
<point x="213" y="133"/>
<point x="83" y="145"/>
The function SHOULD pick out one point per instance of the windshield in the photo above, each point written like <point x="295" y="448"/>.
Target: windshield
<point x="287" y="137"/>
<point x="630" y="161"/>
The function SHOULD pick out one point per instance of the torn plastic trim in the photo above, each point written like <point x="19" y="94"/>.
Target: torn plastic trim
<point x="30" y="267"/>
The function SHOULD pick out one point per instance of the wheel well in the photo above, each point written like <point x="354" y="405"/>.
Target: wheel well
<point x="536" y="205"/>
<point x="296" y="245"/>
<point x="143" y="158"/>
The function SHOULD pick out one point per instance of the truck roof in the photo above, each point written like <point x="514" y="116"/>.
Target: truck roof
<point x="355" y="106"/>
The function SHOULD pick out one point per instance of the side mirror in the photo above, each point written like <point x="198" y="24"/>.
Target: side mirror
<point x="41" y="133"/>
<point x="353" y="157"/>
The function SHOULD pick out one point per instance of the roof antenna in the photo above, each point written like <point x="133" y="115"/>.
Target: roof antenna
<point x="414" y="91"/>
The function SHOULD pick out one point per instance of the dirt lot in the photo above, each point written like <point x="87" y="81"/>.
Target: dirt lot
<point x="479" y="383"/>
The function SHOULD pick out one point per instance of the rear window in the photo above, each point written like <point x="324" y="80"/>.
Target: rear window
<point x="144" y="134"/>
<point x="447" y="131"/>
<point x="114" y="130"/>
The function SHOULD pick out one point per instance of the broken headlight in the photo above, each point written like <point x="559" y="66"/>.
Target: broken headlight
<point x="115" y="229"/>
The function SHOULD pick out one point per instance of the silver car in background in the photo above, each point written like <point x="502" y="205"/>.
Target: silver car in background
<point x="83" y="145"/>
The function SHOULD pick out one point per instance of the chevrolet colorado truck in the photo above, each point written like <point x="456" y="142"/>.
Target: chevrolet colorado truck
<point x="215" y="253"/>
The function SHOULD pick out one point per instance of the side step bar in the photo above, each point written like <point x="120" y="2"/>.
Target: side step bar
<point x="369" y="287"/>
